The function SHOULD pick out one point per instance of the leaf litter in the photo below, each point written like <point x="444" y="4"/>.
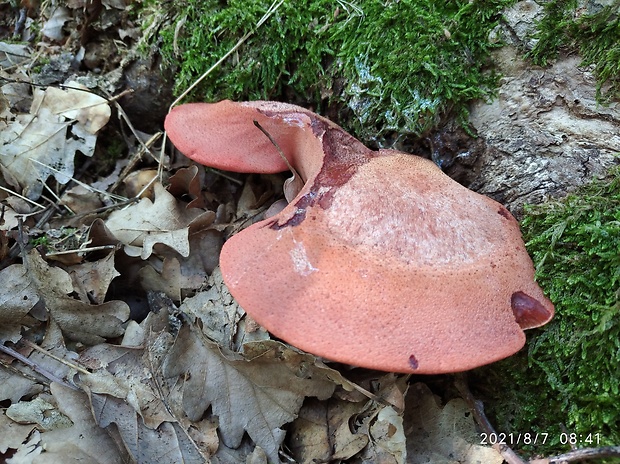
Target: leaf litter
<point x="120" y="342"/>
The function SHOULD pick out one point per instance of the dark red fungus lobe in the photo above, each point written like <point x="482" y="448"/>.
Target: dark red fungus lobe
<point x="413" y="362"/>
<point x="528" y="311"/>
<point x="504" y="212"/>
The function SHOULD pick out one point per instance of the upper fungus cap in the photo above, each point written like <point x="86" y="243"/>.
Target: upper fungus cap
<point x="381" y="260"/>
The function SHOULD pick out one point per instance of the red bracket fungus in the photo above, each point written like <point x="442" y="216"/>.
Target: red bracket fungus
<point x="380" y="260"/>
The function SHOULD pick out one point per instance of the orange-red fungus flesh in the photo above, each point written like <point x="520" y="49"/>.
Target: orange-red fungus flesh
<point x="381" y="260"/>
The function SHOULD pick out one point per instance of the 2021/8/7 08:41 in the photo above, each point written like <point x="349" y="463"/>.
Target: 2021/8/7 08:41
<point x="532" y="438"/>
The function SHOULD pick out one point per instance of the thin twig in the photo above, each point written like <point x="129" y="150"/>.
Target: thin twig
<point x="35" y="367"/>
<point x="38" y="205"/>
<point x="477" y="409"/>
<point x="280" y="152"/>
<point x="271" y="10"/>
<point x="53" y="356"/>
<point x="82" y="250"/>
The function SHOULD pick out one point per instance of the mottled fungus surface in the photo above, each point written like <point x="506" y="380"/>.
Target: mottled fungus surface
<point x="381" y="260"/>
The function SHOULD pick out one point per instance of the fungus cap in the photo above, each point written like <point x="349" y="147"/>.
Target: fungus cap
<point x="381" y="260"/>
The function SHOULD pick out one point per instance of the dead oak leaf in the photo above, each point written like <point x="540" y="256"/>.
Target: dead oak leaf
<point x="84" y="441"/>
<point x="247" y="396"/>
<point x="323" y="431"/>
<point x="127" y="389"/>
<point x="442" y="435"/>
<point x="13" y="434"/>
<point x="43" y="143"/>
<point x="168" y="443"/>
<point x="165" y="221"/>
<point x="171" y="280"/>
<point x="124" y="373"/>
<point x="78" y="320"/>
<point x="17" y="298"/>
<point x="221" y="317"/>
<point x="92" y="279"/>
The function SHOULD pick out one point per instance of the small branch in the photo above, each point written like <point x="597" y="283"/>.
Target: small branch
<point x="581" y="455"/>
<point x="35" y="367"/>
<point x="53" y="356"/>
<point x="477" y="409"/>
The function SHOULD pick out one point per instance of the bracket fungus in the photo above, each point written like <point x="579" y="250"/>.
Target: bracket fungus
<point x="380" y="260"/>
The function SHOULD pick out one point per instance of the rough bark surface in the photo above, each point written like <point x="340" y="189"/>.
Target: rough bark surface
<point x="545" y="134"/>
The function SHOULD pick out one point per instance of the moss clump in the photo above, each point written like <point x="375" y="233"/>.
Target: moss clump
<point x="396" y="65"/>
<point x="569" y="377"/>
<point x="595" y="35"/>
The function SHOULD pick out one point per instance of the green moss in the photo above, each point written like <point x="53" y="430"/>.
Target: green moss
<point x="595" y="35"/>
<point x="395" y="65"/>
<point x="569" y="376"/>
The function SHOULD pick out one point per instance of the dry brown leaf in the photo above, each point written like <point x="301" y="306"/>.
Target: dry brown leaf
<point x="309" y="436"/>
<point x="12" y="54"/>
<point x="447" y="435"/>
<point x="84" y="441"/>
<point x="140" y="227"/>
<point x="53" y="343"/>
<point x="17" y="297"/>
<point x="220" y="315"/>
<point x="323" y="433"/>
<point x="13" y="435"/>
<point x="9" y="219"/>
<point x="255" y="397"/>
<point x="14" y="386"/>
<point x="206" y="243"/>
<point x="81" y="200"/>
<point x="123" y="372"/>
<point x="60" y="123"/>
<point x="242" y="454"/>
<point x="52" y="29"/>
<point x="92" y="279"/>
<point x="80" y="321"/>
<point x="166" y="444"/>
<point x="86" y="323"/>
<point x="40" y="412"/>
<point x="188" y="181"/>
<point x="388" y="438"/>
<point x="127" y="390"/>
<point x="170" y="279"/>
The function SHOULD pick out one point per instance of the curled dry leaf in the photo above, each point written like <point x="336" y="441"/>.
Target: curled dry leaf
<point x="13" y="435"/>
<point x="40" y="412"/>
<point x="445" y="434"/>
<point x="17" y="297"/>
<point x="140" y="227"/>
<point x="388" y="438"/>
<point x="169" y="279"/>
<point x="255" y="397"/>
<point x="220" y="315"/>
<point x="84" y="441"/>
<point x="323" y="431"/>
<point x="351" y="425"/>
<point x="78" y="320"/>
<point x="52" y="29"/>
<point x="164" y="232"/>
<point x="60" y="123"/>
<point x="187" y="181"/>
<point x="92" y="279"/>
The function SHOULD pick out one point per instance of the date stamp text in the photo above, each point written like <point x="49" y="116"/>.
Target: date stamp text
<point x="536" y="438"/>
